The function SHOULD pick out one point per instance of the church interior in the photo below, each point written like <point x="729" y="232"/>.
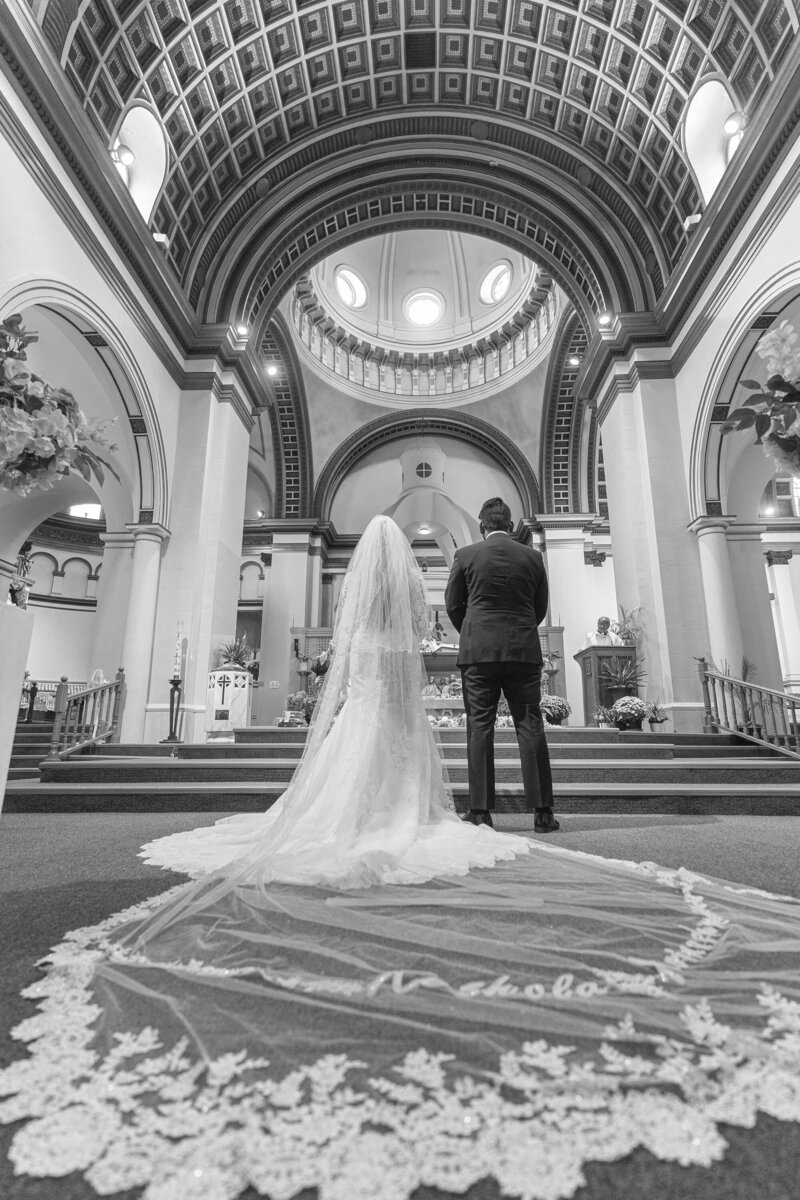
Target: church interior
<point x="315" y="260"/>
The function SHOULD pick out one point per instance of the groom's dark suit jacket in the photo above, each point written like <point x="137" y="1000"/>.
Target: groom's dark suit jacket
<point x="496" y="598"/>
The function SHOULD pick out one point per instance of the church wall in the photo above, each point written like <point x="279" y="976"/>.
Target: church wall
<point x="62" y="642"/>
<point x="375" y="483"/>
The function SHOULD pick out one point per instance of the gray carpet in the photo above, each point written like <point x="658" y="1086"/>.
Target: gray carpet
<point x="60" y="871"/>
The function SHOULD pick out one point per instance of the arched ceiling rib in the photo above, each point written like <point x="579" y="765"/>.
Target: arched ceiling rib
<point x="249" y="90"/>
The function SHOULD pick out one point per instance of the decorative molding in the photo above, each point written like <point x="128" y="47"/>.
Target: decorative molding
<point x="594" y="558"/>
<point x="288" y="415"/>
<point x="451" y="376"/>
<point x="778" y="558"/>
<point x="426" y="422"/>
<point x="70" y="531"/>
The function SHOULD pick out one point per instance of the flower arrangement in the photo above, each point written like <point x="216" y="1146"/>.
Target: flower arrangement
<point x="628" y="708"/>
<point x="43" y="433"/>
<point x="772" y="411"/>
<point x="555" y="707"/>
<point x="234" y="653"/>
<point x="296" y="702"/>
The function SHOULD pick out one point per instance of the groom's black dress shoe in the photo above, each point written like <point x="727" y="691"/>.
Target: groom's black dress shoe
<point x="546" y="823"/>
<point x="480" y="816"/>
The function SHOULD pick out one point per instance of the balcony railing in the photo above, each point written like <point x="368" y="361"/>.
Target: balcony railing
<point x="758" y="714"/>
<point x="87" y="717"/>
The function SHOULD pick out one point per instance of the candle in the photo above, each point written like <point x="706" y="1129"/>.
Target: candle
<point x="176" y="662"/>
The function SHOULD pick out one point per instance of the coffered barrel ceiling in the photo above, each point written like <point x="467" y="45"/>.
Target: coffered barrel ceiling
<point x="576" y="104"/>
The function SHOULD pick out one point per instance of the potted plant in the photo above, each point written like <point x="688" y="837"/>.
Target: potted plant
<point x="627" y="625"/>
<point x="628" y="712"/>
<point x="622" y="676"/>
<point x="603" y="717"/>
<point x="554" y="708"/>
<point x="656" y="715"/>
<point x="234" y="653"/>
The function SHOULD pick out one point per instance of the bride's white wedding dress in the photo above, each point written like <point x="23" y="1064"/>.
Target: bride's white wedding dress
<point x="333" y="1003"/>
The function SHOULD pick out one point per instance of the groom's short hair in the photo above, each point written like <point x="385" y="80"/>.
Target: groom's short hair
<point x="495" y="514"/>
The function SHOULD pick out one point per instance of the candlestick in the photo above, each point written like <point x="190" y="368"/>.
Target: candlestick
<point x="176" y="661"/>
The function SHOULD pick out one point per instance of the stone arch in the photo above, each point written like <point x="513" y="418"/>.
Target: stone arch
<point x="288" y="414"/>
<point x="711" y="458"/>
<point x="428" y="423"/>
<point x="560" y="456"/>
<point x="149" y="498"/>
<point x="273" y="252"/>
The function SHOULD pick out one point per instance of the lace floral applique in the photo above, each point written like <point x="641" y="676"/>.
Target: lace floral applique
<point x="148" y="1115"/>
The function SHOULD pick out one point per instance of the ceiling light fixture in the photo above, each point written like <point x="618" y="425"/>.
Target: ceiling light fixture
<point x="604" y="319"/>
<point x="272" y="370"/>
<point x="123" y="154"/>
<point x="574" y="361"/>
<point x="690" y="223"/>
<point x="735" y="123"/>
<point x="424" y="529"/>
<point x="242" y="330"/>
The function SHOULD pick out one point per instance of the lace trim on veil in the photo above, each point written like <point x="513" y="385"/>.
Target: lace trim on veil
<point x="141" y="1113"/>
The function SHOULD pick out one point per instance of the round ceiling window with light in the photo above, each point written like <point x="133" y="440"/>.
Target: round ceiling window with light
<point x="351" y="287"/>
<point x="423" y="307"/>
<point x="495" y="283"/>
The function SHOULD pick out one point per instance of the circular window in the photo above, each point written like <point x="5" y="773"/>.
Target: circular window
<point x="495" y="283"/>
<point x="351" y="287"/>
<point x="424" y="307"/>
<point x="424" y="470"/>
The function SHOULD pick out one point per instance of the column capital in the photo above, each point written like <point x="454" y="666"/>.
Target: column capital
<point x="778" y="558"/>
<point x="709" y="524"/>
<point x="148" y="533"/>
<point x="117" y="539"/>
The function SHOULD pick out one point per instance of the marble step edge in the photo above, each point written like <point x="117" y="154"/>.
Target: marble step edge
<point x="508" y="789"/>
<point x="104" y="762"/>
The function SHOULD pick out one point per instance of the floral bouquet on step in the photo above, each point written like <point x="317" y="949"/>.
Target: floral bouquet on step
<point x="43" y="433"/>
<point x="554" y="708"/>
<point x="628" y="708"/>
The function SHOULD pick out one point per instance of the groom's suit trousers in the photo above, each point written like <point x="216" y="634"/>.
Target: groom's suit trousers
<point x="520" y="683"/>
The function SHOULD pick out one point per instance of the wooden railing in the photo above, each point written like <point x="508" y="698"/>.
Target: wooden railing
<point x="758" y="714"/>
<point x="87" y="717"/>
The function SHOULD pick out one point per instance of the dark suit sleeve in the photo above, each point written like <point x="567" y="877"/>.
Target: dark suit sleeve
<point x="541" y="596"/>
<point x="455" y="595"/>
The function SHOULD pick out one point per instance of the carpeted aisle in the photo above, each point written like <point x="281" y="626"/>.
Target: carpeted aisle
<point x="60" y="872"/>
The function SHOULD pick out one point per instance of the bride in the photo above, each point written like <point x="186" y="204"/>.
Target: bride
<point x="361" y="994"/>
<point x="368" y="803"/>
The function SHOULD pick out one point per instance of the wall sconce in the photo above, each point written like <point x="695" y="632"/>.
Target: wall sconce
<point x="123" y="155"/>
<point x="735" y="123"/>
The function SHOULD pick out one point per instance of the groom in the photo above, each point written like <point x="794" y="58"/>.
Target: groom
<point x="496" y="598"/>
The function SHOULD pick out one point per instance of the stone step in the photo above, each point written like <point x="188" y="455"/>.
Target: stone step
<point x="96" y="769"/>
<point x="17" y="772"/>
<point x="507" y="749"/>
<point x="669" y="797"/>
<point x="581" y="733"/>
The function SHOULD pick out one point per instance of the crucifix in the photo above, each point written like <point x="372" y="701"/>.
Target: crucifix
<point x="224" y="681"/>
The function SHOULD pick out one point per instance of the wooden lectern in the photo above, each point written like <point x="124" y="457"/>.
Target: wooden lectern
<point x="595" y="688"/>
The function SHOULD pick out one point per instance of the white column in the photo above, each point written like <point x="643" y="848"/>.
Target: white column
<point x="200" y="572"/>
<point x="579" y="594"/>
<point x="785" y="614"/>
<point x="724" y="631"/>
<point x="286" y="604"/>
<point x="113" y="594"/>
<point x="137" y="645"/>
<point x="759" y="639"/>
<point x="656" y="558"/>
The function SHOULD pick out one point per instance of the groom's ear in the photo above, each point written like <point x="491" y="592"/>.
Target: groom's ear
<point x="482" y="528"/>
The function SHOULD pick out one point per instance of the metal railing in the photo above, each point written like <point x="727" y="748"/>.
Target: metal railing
<point x="87" y="717"/>
<point x="758" y="714"/>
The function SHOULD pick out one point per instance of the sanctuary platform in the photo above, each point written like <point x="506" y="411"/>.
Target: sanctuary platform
<point x="594" y="770"/>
